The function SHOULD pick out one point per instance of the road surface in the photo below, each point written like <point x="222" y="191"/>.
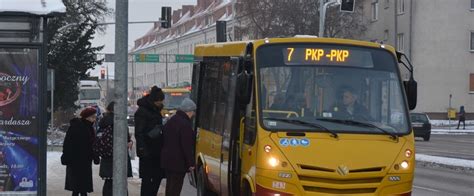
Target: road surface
<point x="452" y="146"/>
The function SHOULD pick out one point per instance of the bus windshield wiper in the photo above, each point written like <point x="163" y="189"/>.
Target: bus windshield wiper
<point x="304" y="123"/>
<point x="360" y="124"/>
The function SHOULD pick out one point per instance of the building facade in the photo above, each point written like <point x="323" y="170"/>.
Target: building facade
<point x="191" y="25"/>
<point x="438" y="37"/>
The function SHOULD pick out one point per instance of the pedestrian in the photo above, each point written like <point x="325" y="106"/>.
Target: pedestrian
<point x="177" y="156"/>
<point x="104" y="148"/>
<point x="148" y="123"/>
<point x="78" y="154"/>
<point x="462" y="117"/>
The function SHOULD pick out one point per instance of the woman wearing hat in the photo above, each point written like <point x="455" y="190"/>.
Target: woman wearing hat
<point x="78" y="154"/>
<point x="148" y="119"/>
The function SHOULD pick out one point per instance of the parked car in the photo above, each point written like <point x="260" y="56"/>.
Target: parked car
<point x="421" y="125"/>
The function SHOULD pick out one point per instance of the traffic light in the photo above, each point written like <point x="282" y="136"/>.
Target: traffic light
<point x="102" y="74"/>
<point x="221" y="28"/>
<point x="166" y="17"/>
<point x="347" y="5"/>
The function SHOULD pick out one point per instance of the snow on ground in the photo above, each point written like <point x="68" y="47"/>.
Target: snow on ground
<point x="453" y="131"/>
<point x="52" y="157"/>
<point x="453" y="122"/>
<point x="445" y="160"/>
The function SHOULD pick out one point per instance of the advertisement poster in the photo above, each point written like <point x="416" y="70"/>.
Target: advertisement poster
<point x="19" y="123"/>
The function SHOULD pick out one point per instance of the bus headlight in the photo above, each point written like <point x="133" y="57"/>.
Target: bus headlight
<point x="404" y="164"/>
<point x="272" y="161"/>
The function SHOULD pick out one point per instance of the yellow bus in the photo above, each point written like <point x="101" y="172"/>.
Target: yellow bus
<point x="302" y="116"/>
<point x="173" y="98"/>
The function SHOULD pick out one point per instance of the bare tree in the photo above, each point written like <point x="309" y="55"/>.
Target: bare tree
<point x="284" y="18"/>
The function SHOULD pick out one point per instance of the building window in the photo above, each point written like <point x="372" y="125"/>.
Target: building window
<point x="385" y="35"/>
<point x="471" y="83"/>
<point x="401" y="42"/>
<point x="472" y="4"/>
<point x="472" y="41"/>
<point x="387" y="4"/>
<point x="401" y="6"/>
<point x="375" y="11"/>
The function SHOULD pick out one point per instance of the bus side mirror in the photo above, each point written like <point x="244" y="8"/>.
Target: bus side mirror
<point x="244" y="87"/>
<point x="411" y="92"/>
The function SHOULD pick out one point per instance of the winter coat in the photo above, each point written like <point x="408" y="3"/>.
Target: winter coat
<point x="147" y="117"/>
<point x="104" y="147"/>
<point x="78" y="155"/>
<point x="179" y="140"/>
<point x="462" y="115"/>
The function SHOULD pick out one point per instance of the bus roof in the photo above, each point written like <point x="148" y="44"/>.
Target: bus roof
<point x="238" y="48"/>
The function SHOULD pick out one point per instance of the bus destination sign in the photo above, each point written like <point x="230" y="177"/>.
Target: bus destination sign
<point x="326" y="56"/>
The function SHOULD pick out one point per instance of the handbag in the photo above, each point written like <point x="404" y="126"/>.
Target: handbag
<point x="155" y="132"/>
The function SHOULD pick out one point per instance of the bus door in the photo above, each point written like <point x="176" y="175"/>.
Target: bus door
<point x="227" y="101"/>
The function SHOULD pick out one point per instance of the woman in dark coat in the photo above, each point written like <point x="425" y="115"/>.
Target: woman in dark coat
<point x="147" y="117"/>
<point x="78" y="154"/>
<point x="104" y="148"/>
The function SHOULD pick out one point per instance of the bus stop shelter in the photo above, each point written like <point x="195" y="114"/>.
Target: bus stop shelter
<point x="23" y="94"/>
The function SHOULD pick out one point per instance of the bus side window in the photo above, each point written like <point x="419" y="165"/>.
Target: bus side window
<point x="205" y="98"/>
<point x="250" y="122"/>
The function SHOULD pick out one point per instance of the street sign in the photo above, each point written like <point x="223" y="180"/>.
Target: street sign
<point x="184" y="58"/>
<point x="147" y="58"/>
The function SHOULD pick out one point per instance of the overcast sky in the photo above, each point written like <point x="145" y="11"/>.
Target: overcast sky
<point x="139" y="10"/>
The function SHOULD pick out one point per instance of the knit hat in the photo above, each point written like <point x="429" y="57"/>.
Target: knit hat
<point x="187" y="105"/>
<point x="88" y="112"/>
<point x="156" y="94"/>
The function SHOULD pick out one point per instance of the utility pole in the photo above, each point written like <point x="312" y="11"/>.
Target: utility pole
<point x="322" y="14"/>
<point x="107" y="84"/>
<point x="120" y="162"/>
<point x="166" y="71"/>
<point x="321" y="18"/>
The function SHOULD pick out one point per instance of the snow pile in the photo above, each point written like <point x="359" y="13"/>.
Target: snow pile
<point x="453" y="131"/>
<point x="453" y="122"/>
<point x="55" y="136"/>
<point x="445" y="160"/>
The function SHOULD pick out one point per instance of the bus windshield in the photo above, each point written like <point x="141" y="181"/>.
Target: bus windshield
<point x="336" y="87"/>
<point x="173" y="99"/>
<point x="89" y="94"/>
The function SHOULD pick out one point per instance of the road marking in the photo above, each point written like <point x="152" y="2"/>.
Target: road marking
<point x="428" y="189"/>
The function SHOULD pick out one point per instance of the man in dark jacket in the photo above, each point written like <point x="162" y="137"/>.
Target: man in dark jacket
<point x="147" y="117"/>
<point x="177" y="155"/>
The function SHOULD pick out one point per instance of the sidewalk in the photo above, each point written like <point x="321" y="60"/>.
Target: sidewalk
<point x="56" y="174"/>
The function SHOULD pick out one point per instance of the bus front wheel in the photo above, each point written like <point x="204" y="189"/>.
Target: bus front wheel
<point x="201" y="183"/>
